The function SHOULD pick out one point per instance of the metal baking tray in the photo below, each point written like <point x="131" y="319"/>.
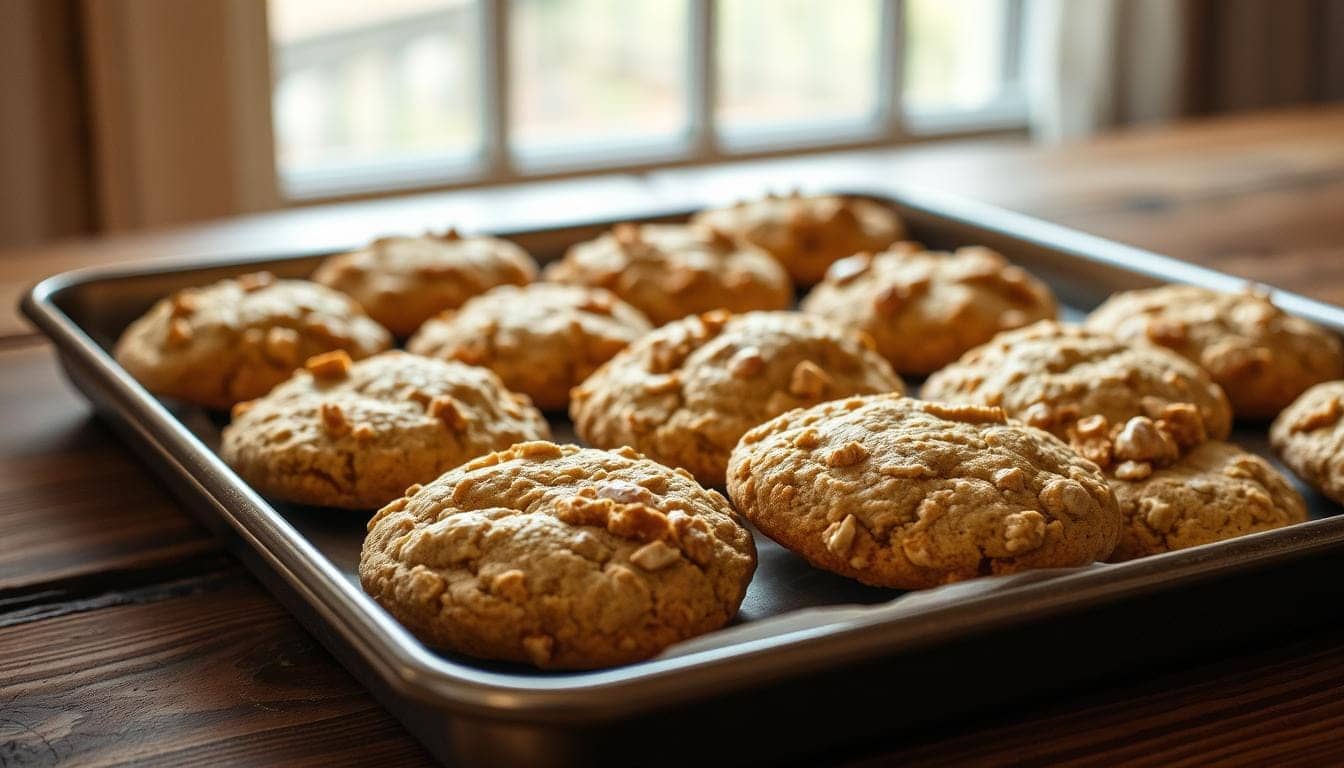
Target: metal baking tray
<point x="814" y="661"/>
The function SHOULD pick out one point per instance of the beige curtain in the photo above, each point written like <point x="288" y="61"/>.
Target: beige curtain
<point x="124" y="114"/>
<point x="180" y="106"/>
<point x="1096" y="64"/>
<point x="44" y="158"/>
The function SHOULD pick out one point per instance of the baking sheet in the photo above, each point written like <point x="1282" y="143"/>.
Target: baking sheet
<point x="795" y="620"/>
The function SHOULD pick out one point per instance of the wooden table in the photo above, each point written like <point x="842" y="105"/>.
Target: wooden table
<point x="127" y="635"/>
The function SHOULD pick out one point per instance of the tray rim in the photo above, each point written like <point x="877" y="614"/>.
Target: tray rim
<point x="416" y="672"/>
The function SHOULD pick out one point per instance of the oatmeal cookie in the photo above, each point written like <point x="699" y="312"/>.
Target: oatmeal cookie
<point x="1309" y="436"/>
<point x="235" y="339"/>
<point x="354" y="435"/>
<point x="1262" y="356"/>
<point x="404" y="281"/>
<point x="1216" y="491"/>
<point x="685" y="393"/>
<point x="924" y="309"/>
<point x="1052" y="376"/>
<point x="669" y="271"/>
<point x="559" y="556"/>
<point x="808" y="234"/>
<point x="541" y="339"/>
<point x="904" y="493"/>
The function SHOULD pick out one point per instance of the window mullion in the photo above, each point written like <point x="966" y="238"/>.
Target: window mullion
<point x="891" y="75"/>
<point x="1012" y="44"/>
<point x="702" y="81"/>
<point x="495" y="89"/>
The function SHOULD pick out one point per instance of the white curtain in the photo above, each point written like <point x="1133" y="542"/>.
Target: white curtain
<point x="1092" y="64"/>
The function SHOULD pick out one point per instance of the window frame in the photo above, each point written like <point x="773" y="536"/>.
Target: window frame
<point x="703" y="142"/>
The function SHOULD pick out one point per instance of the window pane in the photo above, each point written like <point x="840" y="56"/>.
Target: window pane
<point x="587" y="72"/>
<point x="956" y="53"/>
<point x="373" y="87"/>
<point x="787" y="63"/>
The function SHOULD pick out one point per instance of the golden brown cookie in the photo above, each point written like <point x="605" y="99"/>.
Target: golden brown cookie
<point x="355" y="435"/>
<point x="541" y="339"/>
<point x="1261" y="356"/>
<point x="924" y="309"/>
<point x="808" y="234"/>
<point x="235" y="339"/>
<point x="1216" y="491"/>
<point x="1053" y="376"/>
<point x="903" y="493"/>
<point x="669" y="271"/>
<point x="685" y="393"/>
<point x="559" y="556"/>
<point x="404" y="281"/>
<point x="1309" y="436"/>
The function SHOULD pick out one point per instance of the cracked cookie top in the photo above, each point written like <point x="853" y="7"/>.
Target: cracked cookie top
<point x="541" y="339"/>
<point x="355" y="435"/>
<point x="1052" y="376"/>
<point x="1309" y="436"/>
<point x="1216" y="491"/>
<point x="404" y="281"/>
<point x="808" y="234"/>
<point x="686" y="392"/>
<point x="235" y="339"/>
<point x="669" y="271"/>
<point x="905" y="493"/>
<point x="559" y="556"/>
<point x="1262" y="356"/>
<point x="924" y="309"/>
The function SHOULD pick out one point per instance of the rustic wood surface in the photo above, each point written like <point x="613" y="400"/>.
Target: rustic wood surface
<point x="128" y="636"/>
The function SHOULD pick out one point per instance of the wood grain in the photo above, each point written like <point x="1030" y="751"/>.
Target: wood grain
<point x="73" y="502"/>
<point x="1278" y="706"/>
<point x="219" y="676"/>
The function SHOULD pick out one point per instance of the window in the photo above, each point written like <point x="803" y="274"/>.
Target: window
<point x="417" y="93"/>
<point x="797" y="66"/>
<point x="596" y="77"/>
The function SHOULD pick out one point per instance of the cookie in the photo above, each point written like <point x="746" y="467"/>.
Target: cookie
<point x="896" y="492"/>
<point x="355" y="435"/>
<point x="808" y="234"/>
<point x="1052" y="376"/>
<point x="559" y="556"/>
<point x="404" y="281"/>
<point x="669" y="271"/>
<point x="1216" y="491"/>
<point x="685" y="393"/>
<point x="925" y="309"/>
<point x="1262" y="356"/>
<point x="235" y="339"/>
<point x="1309" y="437"/>
<point x="541" y="339"/>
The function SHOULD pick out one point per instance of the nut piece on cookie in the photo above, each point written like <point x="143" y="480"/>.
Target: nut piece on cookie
<point x="925" y="309"/>
<point x="808" y="234"/>
<point x="903" y="493"/>
<point x="669" y="271"/>
<point x="1262" y="356"/>
<point x="356" y="435"/>
<point x="686" y="392"/>
<point x="1055" y="377"/>
<point x="1307" y="436"/>
<point x="234" y="340"/>
<point x="560" y="557"/>
<point x="1216" y="491"/>
<point x="542" y="339"/>
<point x="404" y="281"/>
